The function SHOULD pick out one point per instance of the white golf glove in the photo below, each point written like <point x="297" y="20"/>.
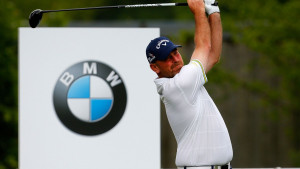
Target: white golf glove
<point x="211" y="6"/>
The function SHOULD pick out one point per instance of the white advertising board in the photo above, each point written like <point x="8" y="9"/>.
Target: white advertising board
<point x="87" y="99"/>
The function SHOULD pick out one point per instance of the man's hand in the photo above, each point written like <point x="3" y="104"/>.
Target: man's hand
<point x="211" y="6"/>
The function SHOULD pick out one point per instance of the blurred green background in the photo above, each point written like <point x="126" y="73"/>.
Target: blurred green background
<point x="255" y="85"/>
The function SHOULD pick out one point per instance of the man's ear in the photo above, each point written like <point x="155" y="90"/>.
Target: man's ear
<point x="154" y="68"/>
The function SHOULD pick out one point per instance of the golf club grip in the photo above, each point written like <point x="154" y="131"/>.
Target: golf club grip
<point x="181" y="4"/>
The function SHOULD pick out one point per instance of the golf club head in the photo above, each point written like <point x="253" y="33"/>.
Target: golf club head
<point x="35" y="17"/>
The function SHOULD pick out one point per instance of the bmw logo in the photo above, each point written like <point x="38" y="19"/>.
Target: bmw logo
<point x="90" y="98"/>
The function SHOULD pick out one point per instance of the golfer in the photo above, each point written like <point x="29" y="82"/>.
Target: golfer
<point x="201" y="134"/>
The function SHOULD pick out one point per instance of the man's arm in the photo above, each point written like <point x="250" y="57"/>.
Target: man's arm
<point x="202" y="32"/>
<point x="216" y="40"/>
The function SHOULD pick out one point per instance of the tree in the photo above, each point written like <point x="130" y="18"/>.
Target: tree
<point x="269" y="27"/>
<point x="8" y="87"/>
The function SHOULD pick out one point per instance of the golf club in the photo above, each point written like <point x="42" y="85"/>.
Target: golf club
<point x="36" y="15"/>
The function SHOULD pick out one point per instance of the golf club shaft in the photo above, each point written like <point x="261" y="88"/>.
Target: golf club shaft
<point x="118" y="6"/>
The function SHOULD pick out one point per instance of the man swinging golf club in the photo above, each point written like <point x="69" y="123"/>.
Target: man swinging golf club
<point x="201" y="134"/>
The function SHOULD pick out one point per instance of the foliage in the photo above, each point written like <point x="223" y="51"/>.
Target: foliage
<point x="269" y="27"/>
<point x="8" y="88"/>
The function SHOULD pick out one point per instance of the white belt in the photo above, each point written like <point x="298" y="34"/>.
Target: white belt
<point x="207" y="167"/>
<point x="204" y="167"/>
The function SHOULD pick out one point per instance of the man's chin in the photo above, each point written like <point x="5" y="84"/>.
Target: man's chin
<point x="177" y="68"/>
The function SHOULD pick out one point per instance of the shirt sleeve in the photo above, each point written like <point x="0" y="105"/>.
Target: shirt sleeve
<point x="190" y="79"/>
<point x="203" y="75"/>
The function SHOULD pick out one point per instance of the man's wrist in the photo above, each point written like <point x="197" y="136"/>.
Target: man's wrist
<point x="200" y="11"/>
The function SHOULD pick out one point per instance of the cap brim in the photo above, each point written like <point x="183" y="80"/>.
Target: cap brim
<point x="167" y="52"/>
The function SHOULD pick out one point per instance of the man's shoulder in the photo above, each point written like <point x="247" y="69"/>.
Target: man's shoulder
<point x="193" y="70"/>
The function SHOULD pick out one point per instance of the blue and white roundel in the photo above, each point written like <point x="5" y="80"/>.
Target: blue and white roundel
<point x="90" y="98"/>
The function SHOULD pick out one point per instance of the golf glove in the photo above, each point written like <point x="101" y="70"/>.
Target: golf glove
<point x="211" y="6"/>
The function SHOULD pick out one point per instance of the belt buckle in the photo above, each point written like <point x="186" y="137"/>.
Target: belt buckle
<point x="226" y="166"/>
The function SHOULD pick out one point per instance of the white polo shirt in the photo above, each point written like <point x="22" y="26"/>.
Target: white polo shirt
<point x="199" y="129"/>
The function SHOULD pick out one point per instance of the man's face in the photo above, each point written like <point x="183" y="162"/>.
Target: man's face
<point x="169" y="67"/>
